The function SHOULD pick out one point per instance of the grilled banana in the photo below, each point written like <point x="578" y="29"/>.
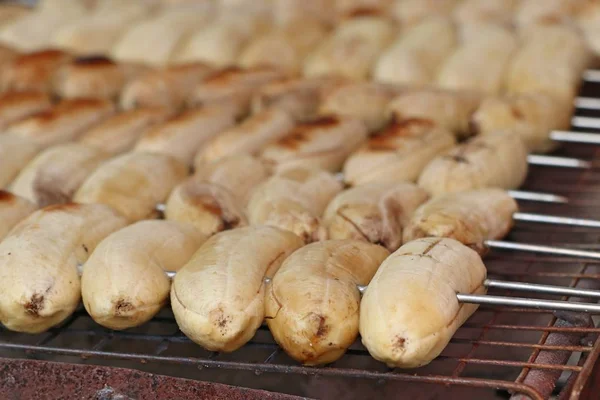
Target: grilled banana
<point x="470" y="217"/>
<point x="312" y="302"/>
<point x="124" y="283"/>
<point x="218" y="296"/>
<point x="409" y="311"/>
<point x="398" y="154"/>
<point x="376" y="213"/>
<point x="495" y="160"/>
<point x="294" y="200"/>
<point x="39" y="281"/>
<point x="133" y="183"/>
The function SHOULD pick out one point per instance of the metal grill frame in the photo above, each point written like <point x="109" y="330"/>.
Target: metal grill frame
<point x="536" y="374"/>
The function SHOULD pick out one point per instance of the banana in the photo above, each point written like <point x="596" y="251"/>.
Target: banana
<point x="451" y="110"/>
<point x="376" y="213"/>
<point x="124" y="283"/>
<point x="312" y="302"/>
<point x="495" y="160"/>
<point x="133" y="183"/>
<point x="249" y="137"/>
<point x="398" y="154"/>
<point x="409" y="311"/>
<point x="294" y="199"/>
<point x="55" y="174"/>
<point x="13" y="209"/>
<point x="218" y="296"/>
<point x="325" y="143"/>
<point x="470" y="217"/>
<point x="39" y="281"/>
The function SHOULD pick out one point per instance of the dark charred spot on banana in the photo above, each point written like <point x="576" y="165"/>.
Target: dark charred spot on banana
<point x="93" y="61"/>
<point x="399" y="343"/>
<point x="35" y="305"/>
<point x="6" y="197"/>
<point x="363" y="12"/>
<point x="322" y="328"/>
<point x="327" y="121"/>
<point x="123" y="306"/>
<point x="459" y="159"/>
<point x="408" y="128"/>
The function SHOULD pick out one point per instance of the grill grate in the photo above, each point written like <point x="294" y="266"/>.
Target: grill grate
<point x="499" y="352"/>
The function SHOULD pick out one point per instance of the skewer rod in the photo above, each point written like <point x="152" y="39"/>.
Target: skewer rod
<point x="586" y="122"/>
<point x="589" y="103"/>
<point x="575" y="137"/>
<point x="591" y="75"/>
<point x="534" y="248"/>
<point x="553" y="305"/>
<point x="545" y="289"/>
<point x="552" y="219"/>
<point x="536" y="196"/>
<point x="517" y="301"/>
<point x="553" y="161"/>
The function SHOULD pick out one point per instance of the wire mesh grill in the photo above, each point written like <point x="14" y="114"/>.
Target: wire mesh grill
<point x="499" y="352"/>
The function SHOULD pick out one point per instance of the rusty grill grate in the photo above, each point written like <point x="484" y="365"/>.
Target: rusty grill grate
<point x="500" y="352"/>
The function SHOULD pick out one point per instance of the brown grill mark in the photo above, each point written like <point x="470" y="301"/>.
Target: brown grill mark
<point x="6" y="197"/>
<point x="35" y="305"/>
<point x="96" y="60"/>
<point x="20" y="97"/>
<point x="62" y="207"/>
<point x="209" y="203"/>
<point x="412" y="127"/>
<point x="39" y="57"/>
<point x="364" y="12"/>
<point x="224" y="75"/>
<point x="303" y="132"/>
<point x="322" y="122"/>
<point x="68" y="107"/>
<point x="294" y="140"/>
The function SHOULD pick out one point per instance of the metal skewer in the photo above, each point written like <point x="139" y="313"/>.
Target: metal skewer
<point x="536" y="248"/>
<point x="555" y="161"/>
<point x="515" y="194"/>
<point x="585" y="122"/>
<point x="591" y="75"/>
<point x="537" y="196"/>
<point x="554" y="305"/>
<point x="587" y="103"/>
<point x="575" y="137"/>
<point x="552" y="219"/>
